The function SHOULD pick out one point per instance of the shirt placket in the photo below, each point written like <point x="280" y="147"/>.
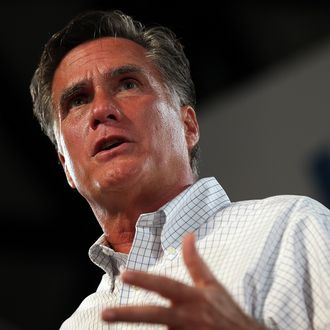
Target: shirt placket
<point x="145" y="252"/>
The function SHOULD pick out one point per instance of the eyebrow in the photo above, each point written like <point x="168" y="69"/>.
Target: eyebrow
<point x="70" y="91"/>
<point x="115" y="72"/>
<point x="124" y="70"/>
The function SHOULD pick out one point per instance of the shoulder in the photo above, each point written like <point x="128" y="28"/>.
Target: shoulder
<point x="288" y="205"/>
<point x="276" y="215"/>
<point x="299" y="210"/>
<point x="281" y="201"/>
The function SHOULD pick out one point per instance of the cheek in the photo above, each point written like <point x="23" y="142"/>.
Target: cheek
<point x="167" y="131"/>
<point x="71" y="143"/>
<point x="73" y="133"/>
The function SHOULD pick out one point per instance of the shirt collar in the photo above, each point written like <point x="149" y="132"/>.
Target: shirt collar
<point x="102" y="255"/>
<point x="190" y="209"/>
<point x="185" y="213"/>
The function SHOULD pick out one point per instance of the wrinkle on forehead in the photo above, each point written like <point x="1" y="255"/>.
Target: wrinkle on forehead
<point x="103" y="54"/>
<point x="94" y="59"/>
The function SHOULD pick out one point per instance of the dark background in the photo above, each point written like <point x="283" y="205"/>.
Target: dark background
<point x="45" y="227"/>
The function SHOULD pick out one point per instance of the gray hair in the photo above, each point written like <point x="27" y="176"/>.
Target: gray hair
<point x="161" y="44"/>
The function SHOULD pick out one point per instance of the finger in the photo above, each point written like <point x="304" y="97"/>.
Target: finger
<point x="145" y="314"/>
<point x="199" y="271"/>
<point x="166" y="287"/>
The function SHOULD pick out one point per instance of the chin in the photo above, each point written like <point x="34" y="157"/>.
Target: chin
<point x="116" y="179"/>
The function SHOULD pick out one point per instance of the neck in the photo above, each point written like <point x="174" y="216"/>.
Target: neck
<point x="121" y="241"/>
<point x="118" y="219"/>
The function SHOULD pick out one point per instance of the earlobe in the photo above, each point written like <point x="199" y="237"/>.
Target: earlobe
<point x="66" y="171"/>
<point x="191" y="126"/>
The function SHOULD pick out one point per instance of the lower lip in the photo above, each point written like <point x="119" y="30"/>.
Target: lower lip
<point x="111" y="153"/>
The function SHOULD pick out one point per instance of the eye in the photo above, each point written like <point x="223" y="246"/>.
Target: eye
<point x="77" y="101"/>
<point x="128" y="84"/>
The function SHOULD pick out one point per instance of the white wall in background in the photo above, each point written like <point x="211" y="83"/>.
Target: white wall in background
<point x="260" y="140"/>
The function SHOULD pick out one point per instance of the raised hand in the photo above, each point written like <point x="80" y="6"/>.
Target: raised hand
<point x="206" y="305"/>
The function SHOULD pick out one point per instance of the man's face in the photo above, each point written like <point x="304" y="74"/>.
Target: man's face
<point x="117" y="128"/>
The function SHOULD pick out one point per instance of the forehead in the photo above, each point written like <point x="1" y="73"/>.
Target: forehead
<point x="107" y="47"/>
<point x="100" y="55"/>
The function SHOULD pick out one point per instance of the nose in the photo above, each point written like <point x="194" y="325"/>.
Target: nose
<point x="104" y="111"/>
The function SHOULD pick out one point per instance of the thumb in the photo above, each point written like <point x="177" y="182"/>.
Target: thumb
<point x="198" y="270"/>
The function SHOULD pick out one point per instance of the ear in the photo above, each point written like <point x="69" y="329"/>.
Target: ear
<point x="66" y="171"/>
<point x="190" y="126"/>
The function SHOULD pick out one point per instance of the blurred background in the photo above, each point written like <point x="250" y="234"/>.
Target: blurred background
<point x="262" y="74"/>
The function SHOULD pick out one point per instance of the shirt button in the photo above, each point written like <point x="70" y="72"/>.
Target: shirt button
<point x="171" y="250"/>
<point x="170" y="253"/>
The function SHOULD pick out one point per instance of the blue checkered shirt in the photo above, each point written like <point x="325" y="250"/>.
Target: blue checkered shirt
<point x="272" y="255"/>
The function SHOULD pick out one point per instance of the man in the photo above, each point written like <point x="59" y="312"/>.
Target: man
<point x="118" y="102"/>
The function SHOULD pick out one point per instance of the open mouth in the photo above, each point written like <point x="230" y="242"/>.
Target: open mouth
<point x="109" y="144"/>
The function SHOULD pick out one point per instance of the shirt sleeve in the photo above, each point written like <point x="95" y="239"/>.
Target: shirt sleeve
<point x="299" y="297"/>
